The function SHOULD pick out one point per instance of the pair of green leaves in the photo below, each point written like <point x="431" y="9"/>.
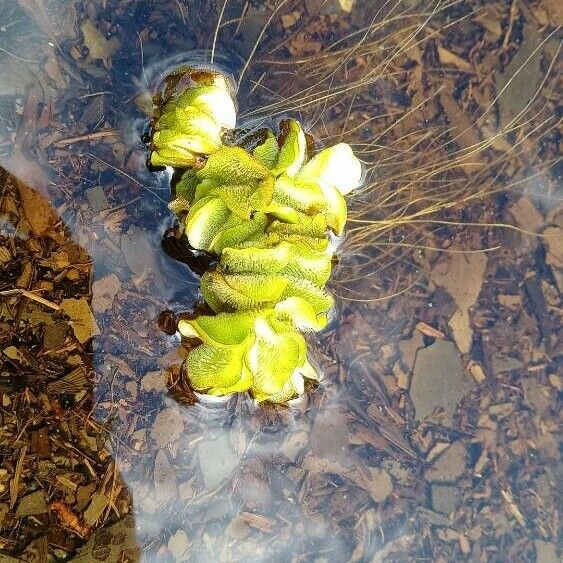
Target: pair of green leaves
<point x="274" y="180"/>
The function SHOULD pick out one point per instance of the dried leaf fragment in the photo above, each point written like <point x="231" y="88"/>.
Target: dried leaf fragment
<point x="461" y="275"/>
<point x="165" y="483"/>
<point x="31" y="504"/>
<point x="104" y="291"/>
<point x="82" y="320"/>
<point x="96" y="508"/>
<point x="99" y="48"/>
<point x="38" y="212"/>
<point x="167" y="428"/>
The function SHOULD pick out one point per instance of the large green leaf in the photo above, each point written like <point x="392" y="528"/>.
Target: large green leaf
<point x="233" y="165"/>
<point x="336" y="212"/>
<point x="299" y="313"/>
<point x="267" y="152"/>
<point x="296" y="260"/>
<point x="313" y="226"/>
<point x="271" y="359"/>
<point x="236" y="234"/>
<point x="261" y="198"/>
<point x="186" y="186"/>
<point x="308" y="264"/>
<point x="214" y="100"/>
<point x="204" y="221"/>
<point x="284" y="213"/>
<point x="320" y="300"/>
<point x="256" y="260"/>
<point x="243" y="292"/>
<point x="224" y="329"/>
<point x="204" y="188"/>
<point x="171" y="148"/>
<point x="209" y="367"/>
<point x="237" y="198"/>
<point x="243" y="384"/>
<point x="189" y="121"/>
<point x="307" y="198"/>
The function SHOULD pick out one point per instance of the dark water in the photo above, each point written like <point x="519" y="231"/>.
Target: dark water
<point x="348" y="472"/>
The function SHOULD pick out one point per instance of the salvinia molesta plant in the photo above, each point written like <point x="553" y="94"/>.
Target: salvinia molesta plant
<point x="267" y="214"/>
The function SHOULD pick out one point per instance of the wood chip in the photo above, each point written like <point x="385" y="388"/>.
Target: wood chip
<point x="429" y="330"/>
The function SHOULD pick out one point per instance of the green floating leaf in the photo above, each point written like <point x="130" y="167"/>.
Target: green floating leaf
<point x="236" y="198"/>
<point x="308" y="264"/>
<point x="213" y="369"/>
<point x="243" y="384"/>
<point x="268" y="152"/>
<point x="164" y="156"/>
<point x="335" y="166"/>
<point x="256" y="260"/>
<point x="307" y="198"/>
<point x="316" y="244"/>
<point x="237" y="233"/>
<point x="279" y="380"/>
<point x="243" y="292"/>
<point x="337" y="211"/>
<point x="271" y="359"/>
<point x="284" y="213"/>
<point x="233" y="165"/>
<point x="320" y="300"/>
<point x="204" y="188"/>
<point x="224" y="329"/>
<point x="262" y="195"/>
<point x="204" y="221"/>
<point x="186" y="186"/>
<point x="171" y="148"/>
<point x="190" y="121"/>
<point x="283" y="258"/>
<point x="241" y="199"/>
<point x="312" y="226"/>
<point x="212" y="99"/>
<point x="293" y="150"/>
<point x="300" y="314"/>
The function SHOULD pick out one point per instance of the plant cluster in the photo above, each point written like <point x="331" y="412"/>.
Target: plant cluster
<point x="268" y="214"/>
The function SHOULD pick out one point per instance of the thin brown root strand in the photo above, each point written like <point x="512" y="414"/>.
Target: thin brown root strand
<point x="420" y="171"/>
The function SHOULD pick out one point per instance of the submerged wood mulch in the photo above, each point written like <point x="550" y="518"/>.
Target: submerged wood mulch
<point x="434" y="435"/>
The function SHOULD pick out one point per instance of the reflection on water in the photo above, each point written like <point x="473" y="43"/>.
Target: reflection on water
<point x="433" y="434"/>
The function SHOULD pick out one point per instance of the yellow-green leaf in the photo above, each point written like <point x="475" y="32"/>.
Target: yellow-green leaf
<point x="212" y="99"/>
<point x="267" y="152"/>
<point x="204" y="221"/>
<point x="189" y="121"/>
<point x="256" y="260"/>
<point x="300" y="313"/>
<point x="233" y="165"/>
<point x="307" y="198"/>
<point x="271" y="359"/>
<point x="336" y="166"/>
<point x="209" y="367"/>
<point x="236" y="234"/>
<point x="224" y="329"/>
<point x="224" y="292"/>
<point x="320" y="300"/>
<point x="186" y="185"/>
<point x="292" y="152"/>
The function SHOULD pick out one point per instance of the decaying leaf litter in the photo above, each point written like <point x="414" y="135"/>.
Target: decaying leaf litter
<point x="105" y="456"/>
